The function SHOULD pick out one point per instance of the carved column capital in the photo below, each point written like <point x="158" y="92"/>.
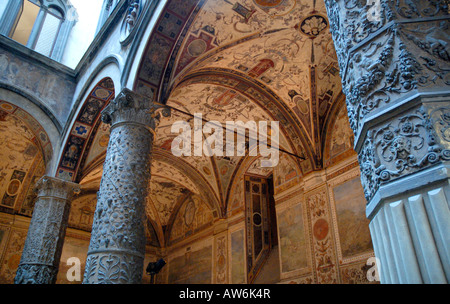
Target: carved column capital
<point x="130" y="107"/>
<point x="404" y="144"/>
<point x="57" y="188"/>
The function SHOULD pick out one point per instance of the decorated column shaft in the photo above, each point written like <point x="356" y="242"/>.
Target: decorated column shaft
<point x="43" y="247"/>
<point x="117" y="246"/>
<point x="394" y="59"/>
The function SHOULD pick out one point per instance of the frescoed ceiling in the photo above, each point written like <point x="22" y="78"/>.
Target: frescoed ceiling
<point x="230" y="60"/>
<point x="249" y="60"/>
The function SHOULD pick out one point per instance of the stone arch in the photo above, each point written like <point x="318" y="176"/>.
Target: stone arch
<point x="27" y="151"/>
<point x="191" y="215"/>
<point x="40" y="118"/>
<point x="80" y="136"/>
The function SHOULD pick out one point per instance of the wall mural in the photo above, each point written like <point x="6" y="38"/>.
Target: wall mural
<point x="237" y="264"/>
<point x="87" y="122"/>
<point x="352" y="225"/>
<point x="194" y="267"/>
<point x="322" y="230"/>
<point x="22" y="162"/>
<point x="12" y="253"/>
<point x="293" y="240"/>
<point x="286" y="174"/>
<point x="193" y="216"/>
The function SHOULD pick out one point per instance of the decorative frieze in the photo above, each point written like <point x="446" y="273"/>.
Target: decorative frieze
<point x="403" y="145"/>
<point x="323" y="247"/>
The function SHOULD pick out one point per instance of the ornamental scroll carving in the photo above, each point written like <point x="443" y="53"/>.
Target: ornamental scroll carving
<point x="409" y="143"/>
<point x="382" y="60"/>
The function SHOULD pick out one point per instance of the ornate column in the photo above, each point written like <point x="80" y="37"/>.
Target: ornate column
<point x="117" y="247"/>
<point x="43" y="247"/>
<point x="394" y="59"/>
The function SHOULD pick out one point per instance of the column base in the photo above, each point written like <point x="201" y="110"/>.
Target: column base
<point x="410" y="228"/>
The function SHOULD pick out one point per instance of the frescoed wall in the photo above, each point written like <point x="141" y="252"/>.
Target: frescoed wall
<point x="293" y="239"/>
<point x="192" y="267"/>
<point x="322" y="229"/>
<point x="353" y="227"/>
<point x="237" y="264"/>
<point x="22" y="162"/>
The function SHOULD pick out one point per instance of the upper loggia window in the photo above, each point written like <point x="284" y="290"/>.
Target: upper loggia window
<point x="41" y="25"/>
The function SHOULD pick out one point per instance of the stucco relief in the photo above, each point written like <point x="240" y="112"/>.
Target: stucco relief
<point x="407" y="57"/>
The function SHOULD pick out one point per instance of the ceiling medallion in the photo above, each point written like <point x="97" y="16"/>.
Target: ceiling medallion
<point x="268" y="3"/>
<point x="276" y="8"/>
<point x="189" y="214"/>
<point x="313" y="25"/>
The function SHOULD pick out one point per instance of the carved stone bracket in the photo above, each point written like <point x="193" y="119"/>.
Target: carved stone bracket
<point x="43" y="247"/>
<point x="130" y="107"/>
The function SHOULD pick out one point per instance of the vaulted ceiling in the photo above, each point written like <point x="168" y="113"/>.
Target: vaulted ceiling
<point x="248" y="60"/>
